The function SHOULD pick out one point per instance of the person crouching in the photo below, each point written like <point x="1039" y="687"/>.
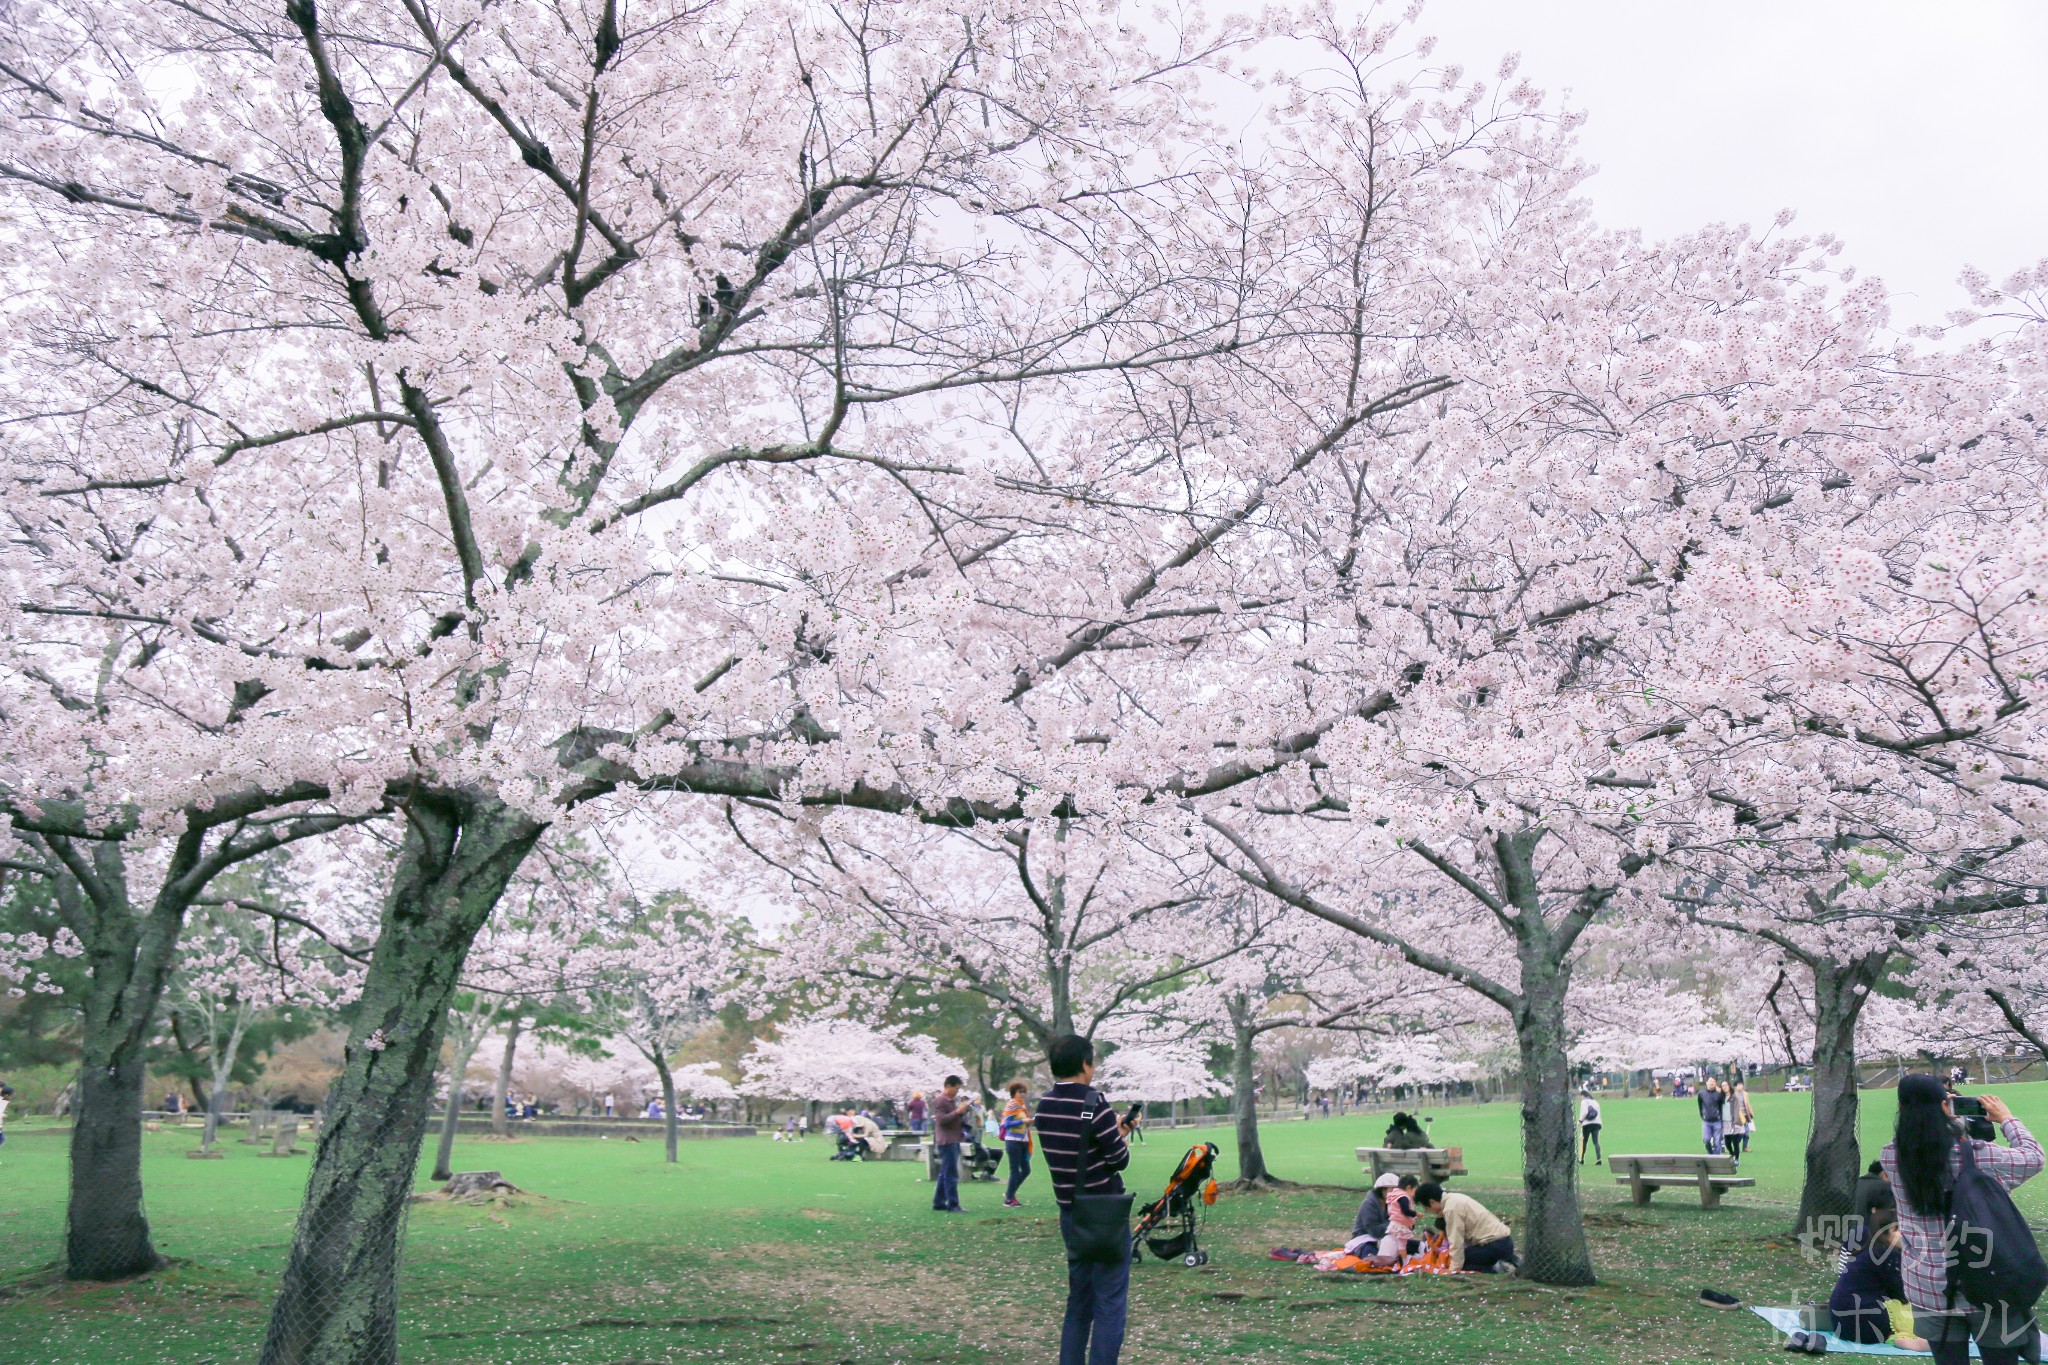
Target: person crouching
<point x="1479" y="1241"/>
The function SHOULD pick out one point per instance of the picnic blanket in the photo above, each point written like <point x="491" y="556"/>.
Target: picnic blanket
<point x="1435" y="1261"/>
<point x="1786" y="1320"/>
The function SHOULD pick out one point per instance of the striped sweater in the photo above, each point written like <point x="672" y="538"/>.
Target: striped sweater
<point x="1084" y="1148"/>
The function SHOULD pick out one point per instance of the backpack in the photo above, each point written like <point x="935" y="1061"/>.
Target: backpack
<point x="1995" y="1257"/>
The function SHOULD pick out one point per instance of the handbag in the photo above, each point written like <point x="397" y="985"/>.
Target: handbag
<point x="1098" y="1226"/>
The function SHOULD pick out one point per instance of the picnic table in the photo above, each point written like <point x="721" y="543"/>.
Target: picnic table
<point x="904" y="1145"/>
<point x="1424" y="1163"/>
<point x="1647" y="1172"/>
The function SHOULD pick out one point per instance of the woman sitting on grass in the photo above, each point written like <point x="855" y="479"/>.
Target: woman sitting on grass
<point x="1869" y="1302"/>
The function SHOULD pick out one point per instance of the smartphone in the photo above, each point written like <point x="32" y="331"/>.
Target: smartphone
<point x="1970" y="1110"/>
<point x="1133" y="1114"/>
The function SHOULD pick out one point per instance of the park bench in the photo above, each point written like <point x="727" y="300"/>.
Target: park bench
<point x="1424" y="1163"/>
<point x="262" y="1126"/>
<point x="1646" y="1173"/>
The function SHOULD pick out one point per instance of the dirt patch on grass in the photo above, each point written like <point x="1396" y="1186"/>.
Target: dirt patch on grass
<point x="814" y="1282"/>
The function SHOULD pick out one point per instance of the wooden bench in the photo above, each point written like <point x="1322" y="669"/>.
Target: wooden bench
<point x="1424" y="1163"/>
<point x="1646" y="1173"/>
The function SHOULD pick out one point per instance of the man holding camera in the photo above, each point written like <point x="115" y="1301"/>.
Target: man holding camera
<point x="1084" y="1147"/>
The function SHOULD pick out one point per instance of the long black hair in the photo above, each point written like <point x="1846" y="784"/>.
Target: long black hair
<point x="1925" y="1141"/>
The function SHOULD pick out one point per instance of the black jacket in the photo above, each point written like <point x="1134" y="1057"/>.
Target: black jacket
<point x="1404" y="1138"/>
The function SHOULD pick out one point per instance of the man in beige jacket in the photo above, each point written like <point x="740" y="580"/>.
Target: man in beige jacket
<point x="1479" y="1241"/>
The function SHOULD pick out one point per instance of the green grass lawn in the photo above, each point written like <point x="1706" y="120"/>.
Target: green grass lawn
<point x="757" y="1251"/>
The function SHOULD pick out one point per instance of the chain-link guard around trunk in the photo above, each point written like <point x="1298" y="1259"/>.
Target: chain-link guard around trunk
<point x="106" y="1227"/>
<point x="338" y="1301"/>
<point x="1834" y="1157"/>
<point x="1552" y="1237"/>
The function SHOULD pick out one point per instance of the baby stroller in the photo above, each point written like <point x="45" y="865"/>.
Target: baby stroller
<point x="979" y="1161"/>
<point x="1189" y="1189"/>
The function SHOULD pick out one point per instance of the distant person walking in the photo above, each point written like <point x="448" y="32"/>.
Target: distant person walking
<point x="1016" y="1133"/>
<point x="1713" y="1112"/>
<point x="1589" y="1129"/>
<point x="915" y="1111"/>
<point x="1739" y="1123"/>
<point x="949" y="1118"/>
<point x="1084" y="1148"/>
<point x="6" y="1094"/>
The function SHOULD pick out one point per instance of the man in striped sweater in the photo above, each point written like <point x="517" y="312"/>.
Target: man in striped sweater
<point x="1084" y="1147"/>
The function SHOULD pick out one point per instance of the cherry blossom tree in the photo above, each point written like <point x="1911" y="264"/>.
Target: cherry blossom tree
<point x="123" y="890"/>
<point x="735" y="423"/>
<point x="1167" y="1071"/>
<point x="1062" y="926"/>
<point x="1276" y="971"/>
<point x="234" y="968"/>
<point x="513" y="968"/>
<point x="829" y="1059"/>
<point x="1519" y="585"/>
<point x="658" y="982"/>
<point x="961" y="426"/>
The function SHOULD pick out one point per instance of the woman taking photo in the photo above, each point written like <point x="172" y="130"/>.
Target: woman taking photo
<point x="1922" y="1162"/>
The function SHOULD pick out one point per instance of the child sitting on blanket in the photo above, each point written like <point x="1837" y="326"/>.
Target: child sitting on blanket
<point x="1869" y="1302"/>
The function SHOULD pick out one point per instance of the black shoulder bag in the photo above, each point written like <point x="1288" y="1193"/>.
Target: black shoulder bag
<point x="1996" y="1258"/>
<point x="1099" y="1225"/>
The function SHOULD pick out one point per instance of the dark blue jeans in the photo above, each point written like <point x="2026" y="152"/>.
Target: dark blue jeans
<point x="947" y="1194"/>
<point x="1019" y="1154"/>
<point x="1097" y="1296"/>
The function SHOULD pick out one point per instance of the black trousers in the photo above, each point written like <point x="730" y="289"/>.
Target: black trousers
<point x="2005" y="1336"/>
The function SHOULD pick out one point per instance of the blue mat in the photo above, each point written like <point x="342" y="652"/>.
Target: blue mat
<point x="1786" y="1320"/>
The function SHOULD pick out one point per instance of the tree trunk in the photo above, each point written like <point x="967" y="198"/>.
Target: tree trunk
<point x="668" y="1101"/>
<point x="1834" y="1158"/>
<point x="501" y="1125"/>
<point x="444" y="1153"/>
<point x="1553" y="1232"/>
<point x="216" y="1101"/>
<point x="223" y="1068"/>
<point x="337" y="1303"/>
<point x="1244" y="1105"/>
<point x="106" y="1232"/>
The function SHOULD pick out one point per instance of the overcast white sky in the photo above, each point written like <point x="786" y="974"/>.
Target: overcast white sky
<point x="1917" y="132"/>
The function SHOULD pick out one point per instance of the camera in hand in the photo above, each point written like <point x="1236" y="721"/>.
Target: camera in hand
<point x="1970" y="1110"/>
